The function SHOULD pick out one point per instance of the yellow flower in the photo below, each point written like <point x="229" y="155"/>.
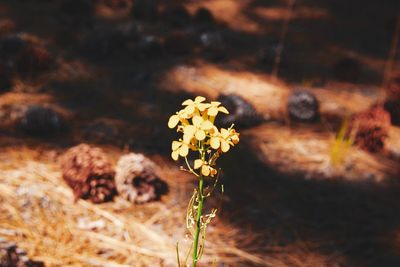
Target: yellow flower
<point x="180" y="116"/>
<point x="193" y="106"/>
<point x="199" y="129"/>
<point x="224" y="139"/>
<point x="215" y="108"/>
<point x="196" y="122"/>
<point x="179" y="148"/>
<point x="206" y="169"/>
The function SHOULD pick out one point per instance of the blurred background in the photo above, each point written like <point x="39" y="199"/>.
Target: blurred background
<point x="86" y="90"/>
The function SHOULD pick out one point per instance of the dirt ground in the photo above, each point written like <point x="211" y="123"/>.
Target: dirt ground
<point x="118" y="76"/>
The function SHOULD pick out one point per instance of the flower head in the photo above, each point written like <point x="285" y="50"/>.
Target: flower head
<point x="196" y="123"/>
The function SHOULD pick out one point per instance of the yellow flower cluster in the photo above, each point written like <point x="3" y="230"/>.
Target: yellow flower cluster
<point x="196" y="122"/>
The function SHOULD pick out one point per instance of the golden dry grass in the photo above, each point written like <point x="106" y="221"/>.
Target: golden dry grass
<point x="39" y="214"/>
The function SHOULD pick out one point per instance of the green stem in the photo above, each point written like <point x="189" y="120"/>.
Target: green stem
<point x="199" y="211"/>
<point x="198" y="223"/>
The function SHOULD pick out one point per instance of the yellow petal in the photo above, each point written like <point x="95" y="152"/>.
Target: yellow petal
<point x="203" y="106"/>
<point x="173" y="121"/>
<point x="214" y="142"/>
<point x="187" y="138"/>
<point x="197" y="163"/>
<point x="215" y="103"/>
<point x="205" y="170"/>
<point x="189" y="130"/>
<point x="187" y="102"/>
<point x="200" y="135"/>
<point x="183" y="150"/>
<point x="223" y="110"/>
<point x="199" y="99"/>
<point x="197" y="120"/>
<point x="175" y="155"/>
<point x="224" y="146"/>
<point x="213" y="111"/>
<point x="176" y="145"/>
<point x="189" y="110"/>
<point x="206" y="125"/>
<point x="224" y="133"/>
<point x="213" y="130"/>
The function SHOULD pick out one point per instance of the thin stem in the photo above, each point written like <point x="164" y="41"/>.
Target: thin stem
<point x="198" y="223"/>
<point x="281" y="44"/>
<point x="190" y="168"/>
<point x="199" y="211"/>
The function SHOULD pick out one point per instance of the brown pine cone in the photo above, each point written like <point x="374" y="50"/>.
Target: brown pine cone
<point x="88" y="172"/>
<point x="136" y="179"/>
<point x="372" y="128"/>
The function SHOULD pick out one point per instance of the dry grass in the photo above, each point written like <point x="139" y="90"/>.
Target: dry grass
<point x="266" y="95"/>
<point x="308" y="151"/>
<point x="39" y="214"/>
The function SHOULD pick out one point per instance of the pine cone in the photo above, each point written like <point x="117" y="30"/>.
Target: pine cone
<point x="12" y="256"/>
<point x="136" y="179"/>
<point x="372" y="128"/>
<point x="88" y="172"/>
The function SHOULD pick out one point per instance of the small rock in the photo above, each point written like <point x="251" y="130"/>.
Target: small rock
<point x="136" y="179"/>
<point x="303" y="106"/>
<point x="241" y="113"/>
<point x="42" y="122"/>
<point x="89" y="173"/>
